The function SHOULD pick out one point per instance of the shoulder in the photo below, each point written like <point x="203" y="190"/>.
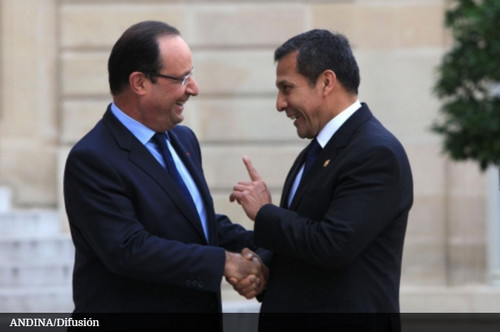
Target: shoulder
<point x="183" y="131"/>
<point x="374" y="135"/>
<point x="98" y="146"/>
<point x="184" y="134"/>
<point x="186" y="139"/>
<point x="369" y="140"/>
<point x="97" y="139"/>
<point x="364" y="131"/>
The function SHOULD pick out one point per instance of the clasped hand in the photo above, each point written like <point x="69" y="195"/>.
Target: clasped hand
<point x="246" y="273"/>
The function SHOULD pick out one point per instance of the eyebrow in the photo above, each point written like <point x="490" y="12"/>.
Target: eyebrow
<point x="283" y="82"/>
<point x="187" y="72"/>
<point x="184" y="73"/>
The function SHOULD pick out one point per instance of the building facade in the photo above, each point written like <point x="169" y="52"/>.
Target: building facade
<point x="53" y="89"/>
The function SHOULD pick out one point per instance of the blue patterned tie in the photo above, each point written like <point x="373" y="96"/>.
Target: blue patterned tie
<point x="312" y="153"/>
<point x="160" y="140"/>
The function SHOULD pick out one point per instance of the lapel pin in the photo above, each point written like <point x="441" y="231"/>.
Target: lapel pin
<point x="188" y="154"/>
<point x="326" y="163"/>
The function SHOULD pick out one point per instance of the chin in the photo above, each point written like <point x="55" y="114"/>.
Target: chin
<point x="301" y="134"/>
<point x="177" y="121"/>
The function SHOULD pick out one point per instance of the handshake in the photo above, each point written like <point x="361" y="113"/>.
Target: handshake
<point x="246" y="273"/>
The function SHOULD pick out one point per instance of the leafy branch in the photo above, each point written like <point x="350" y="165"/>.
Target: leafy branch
<point x="469" y="83"/>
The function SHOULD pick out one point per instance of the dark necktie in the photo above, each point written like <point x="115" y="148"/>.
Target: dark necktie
<point x="312" y="153"/>
<point x="160" y="140"/>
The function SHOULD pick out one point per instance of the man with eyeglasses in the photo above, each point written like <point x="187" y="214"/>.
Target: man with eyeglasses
<point x="141" y="216"/>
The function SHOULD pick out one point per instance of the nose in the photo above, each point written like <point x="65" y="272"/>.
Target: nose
<point x="281" y="103"/>
<point x="192" y="86"/>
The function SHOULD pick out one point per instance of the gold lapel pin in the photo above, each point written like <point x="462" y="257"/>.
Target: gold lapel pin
<point x="326" y="163"/>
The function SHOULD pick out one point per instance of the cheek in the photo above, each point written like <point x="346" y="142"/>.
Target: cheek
<point x="311" y="107"/>
<point x="307" y="112"/>
<point x="298" y="103"/>
<point x="168" y="101"/>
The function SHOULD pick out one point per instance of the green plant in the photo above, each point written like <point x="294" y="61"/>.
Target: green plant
<point x="469" y="83"/>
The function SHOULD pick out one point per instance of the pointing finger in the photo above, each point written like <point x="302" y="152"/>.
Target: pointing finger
<point x="252" y="172"/>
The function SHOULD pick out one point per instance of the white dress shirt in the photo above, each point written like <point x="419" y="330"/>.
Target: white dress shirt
<point x="144" y="135"/>
<point x="323" y="137"/>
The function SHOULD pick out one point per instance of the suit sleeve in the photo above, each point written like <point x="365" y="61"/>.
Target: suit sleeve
<point x="233" y="237"/>
<point x="363" y="202"/>
<point x="104" y="224"/>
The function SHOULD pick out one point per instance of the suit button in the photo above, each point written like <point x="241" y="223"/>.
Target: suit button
<point x="200" y="284"/>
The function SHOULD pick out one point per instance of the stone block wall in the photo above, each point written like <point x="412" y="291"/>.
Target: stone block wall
<point x="53" y="89"/>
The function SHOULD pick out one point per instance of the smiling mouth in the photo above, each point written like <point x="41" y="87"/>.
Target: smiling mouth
<point x="293" y="116"/>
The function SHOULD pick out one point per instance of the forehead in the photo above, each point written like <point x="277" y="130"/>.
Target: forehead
<point x="287" y="63"/>
<point x="286" y="70"/>
<point x="174" y="52"/>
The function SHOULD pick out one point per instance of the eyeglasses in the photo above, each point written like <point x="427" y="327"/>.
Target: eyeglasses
<point x="182" y="80"/>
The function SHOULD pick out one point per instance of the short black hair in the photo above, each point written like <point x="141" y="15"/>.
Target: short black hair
<point x="319" y="50"/>
<point x="137" y="50"/>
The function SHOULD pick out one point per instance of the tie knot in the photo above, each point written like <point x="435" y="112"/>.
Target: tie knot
<point x="312" y="153"/>
<point x="314" y="149"/>
<point x="161" y="139"/>
<point x="160" y="135"/>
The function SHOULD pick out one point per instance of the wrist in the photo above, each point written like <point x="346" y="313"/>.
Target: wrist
<point x="228" y="263"/>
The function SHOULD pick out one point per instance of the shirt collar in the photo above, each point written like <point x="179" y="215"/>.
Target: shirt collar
<point x="140" y="131"/>
<point x="334" y="124"/>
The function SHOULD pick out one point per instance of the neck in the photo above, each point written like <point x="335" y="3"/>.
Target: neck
<point x="337" y="104"/>
<point x="127" y="105"/>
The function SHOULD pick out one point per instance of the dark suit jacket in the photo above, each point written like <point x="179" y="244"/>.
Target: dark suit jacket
<point x="139" y="247"/>
<point x="338" y="247"/>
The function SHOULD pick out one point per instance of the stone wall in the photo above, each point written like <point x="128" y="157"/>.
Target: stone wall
<point x="53" y="89"/>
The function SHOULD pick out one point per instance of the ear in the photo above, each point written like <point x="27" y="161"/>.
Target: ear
<point x="138" y="83"/>
<point x="328" y="81"/>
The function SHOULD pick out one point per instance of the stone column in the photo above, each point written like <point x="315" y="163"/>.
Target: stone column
<point x="494" y="224"/>
<point x="28" y="108"/>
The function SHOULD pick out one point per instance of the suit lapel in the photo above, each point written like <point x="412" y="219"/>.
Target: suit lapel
<point x="196" y="173"/>
<point x="142" y="158"/>
<point x="292" y="174"/>
<point x="326" y="159"/>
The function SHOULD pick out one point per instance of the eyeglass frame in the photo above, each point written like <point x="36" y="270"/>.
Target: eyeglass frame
<point x="182" y="80"/>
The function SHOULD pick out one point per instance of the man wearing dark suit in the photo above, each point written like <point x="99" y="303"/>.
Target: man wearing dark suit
<point x="338" y="233"/>
<point x="144" y="241"/>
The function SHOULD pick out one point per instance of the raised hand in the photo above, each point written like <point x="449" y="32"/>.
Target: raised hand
<point x="251" y="195"/>
<point x="253" y="284"/>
